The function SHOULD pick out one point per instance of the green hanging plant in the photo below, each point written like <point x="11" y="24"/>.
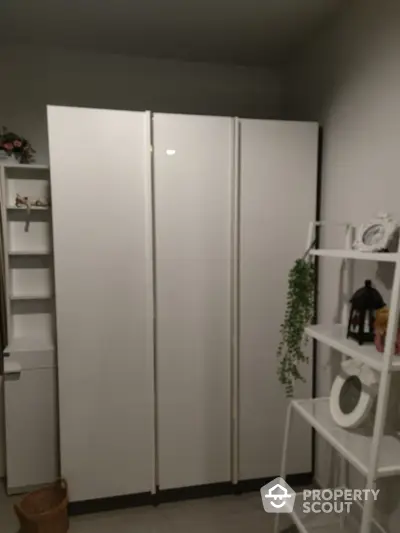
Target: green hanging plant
<point x="299" y="313"/>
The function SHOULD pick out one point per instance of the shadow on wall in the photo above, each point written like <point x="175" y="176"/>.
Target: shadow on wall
<point x="317" y="78"/>
<point x="58" y="77"/>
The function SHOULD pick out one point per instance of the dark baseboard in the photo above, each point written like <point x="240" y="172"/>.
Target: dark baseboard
<point x="110" y="504"/>
<point x="175" y="495"/>
<point x="194" y="492"/>
<point x="294" y="480"/>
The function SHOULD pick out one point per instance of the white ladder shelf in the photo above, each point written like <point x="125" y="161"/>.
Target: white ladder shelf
<point x="376" y="456"/>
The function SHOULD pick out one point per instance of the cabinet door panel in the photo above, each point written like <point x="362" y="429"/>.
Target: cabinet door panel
<point x="278" y="183"/>
<point x="31" y="428"/>
<point x="192" y="213"/>
<point x="99" y="173"/>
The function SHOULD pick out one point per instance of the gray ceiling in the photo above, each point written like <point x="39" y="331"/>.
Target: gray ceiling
<point x="247" y="32"/>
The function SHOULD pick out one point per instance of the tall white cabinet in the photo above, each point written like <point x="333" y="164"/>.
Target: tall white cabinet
<point x="102" y="250"/>
<point x="192" y="207"/>
<point x="173" y="237"/>
<point x="30" y="385"/>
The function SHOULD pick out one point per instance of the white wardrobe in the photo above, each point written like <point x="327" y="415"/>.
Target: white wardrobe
<point x="173" y="237"/>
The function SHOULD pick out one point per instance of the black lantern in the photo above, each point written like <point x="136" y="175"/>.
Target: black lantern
<point x="364" y="303"/>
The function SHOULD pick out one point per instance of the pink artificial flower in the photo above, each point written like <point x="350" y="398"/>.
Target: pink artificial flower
<point x="8" y="146"/>
<point x="17" y="144"/>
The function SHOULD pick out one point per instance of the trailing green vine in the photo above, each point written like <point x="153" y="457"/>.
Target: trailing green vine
<point x="299" y="313"/>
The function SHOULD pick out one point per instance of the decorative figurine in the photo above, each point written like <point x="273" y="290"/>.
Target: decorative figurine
<point x="24" y="202"/>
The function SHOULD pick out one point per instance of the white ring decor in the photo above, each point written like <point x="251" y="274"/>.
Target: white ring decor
<point x="369" y="388"/>
<point x="376" y="234"/>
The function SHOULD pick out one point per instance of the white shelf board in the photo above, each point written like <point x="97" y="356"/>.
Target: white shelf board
<point x="29" y="252"/>
<point x="320" y="522"/>
<point x="355" y="254"/>
<point x="16" y="297"/>
<point x="335" y="337"/>
<point x="29" y="344"/>
<point x="33" y="166"/>
<point x="353" y="445"/>
<point x="22" y="209"/>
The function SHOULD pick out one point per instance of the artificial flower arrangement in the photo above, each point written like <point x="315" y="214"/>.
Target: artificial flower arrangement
<point x="15" y="144"/>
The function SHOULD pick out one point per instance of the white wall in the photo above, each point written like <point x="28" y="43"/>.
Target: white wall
<point x="32" y="78"/>
<point x="349" y="79"/>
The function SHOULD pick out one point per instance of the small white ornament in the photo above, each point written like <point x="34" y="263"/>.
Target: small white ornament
<point x="375" y="235"/>
<point x="350" y="408"/>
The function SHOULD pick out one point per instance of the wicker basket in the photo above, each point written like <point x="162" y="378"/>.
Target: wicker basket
<point x="45" y="510"/>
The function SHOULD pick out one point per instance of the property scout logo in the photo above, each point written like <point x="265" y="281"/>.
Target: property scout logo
<point x="278" y="497"/>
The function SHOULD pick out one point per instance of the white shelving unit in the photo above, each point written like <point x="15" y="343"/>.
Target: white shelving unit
<point x="376" y="455"/>
<point x="30" y="391"/>
<point x="26" y="281"/>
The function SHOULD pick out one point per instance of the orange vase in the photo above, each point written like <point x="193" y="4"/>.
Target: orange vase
<point x="380" y="342"/>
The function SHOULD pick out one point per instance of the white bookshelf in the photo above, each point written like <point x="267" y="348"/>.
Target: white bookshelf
<point x="373" y="453"/>
<point x="29" y="283"/>
<point x="30" y="380"/>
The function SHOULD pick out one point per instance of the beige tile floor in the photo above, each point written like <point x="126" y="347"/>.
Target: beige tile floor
<point x="222" y="514"/>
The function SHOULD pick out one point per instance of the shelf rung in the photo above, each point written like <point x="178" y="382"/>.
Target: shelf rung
<point x="353" y="445"/>
<point x="29" y="344"/>
<point x="334" y="336"/>
<point x="29" y="252"/>
<point x="355" y="254"/>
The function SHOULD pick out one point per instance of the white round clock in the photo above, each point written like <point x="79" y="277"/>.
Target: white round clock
<point x="375" y="235"/>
